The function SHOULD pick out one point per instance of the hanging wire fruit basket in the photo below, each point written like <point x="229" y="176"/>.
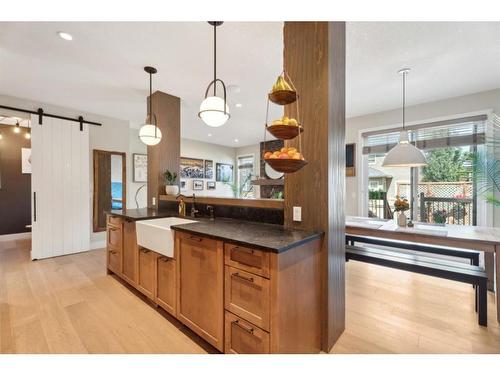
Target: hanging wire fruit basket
<point x="288" y="159"/>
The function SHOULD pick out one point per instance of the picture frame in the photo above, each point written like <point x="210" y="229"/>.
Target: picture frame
<point x="197" y="184"/>
<point x="183" y="185"/>
<point x="26" y="160"/>
<point x="192" y="168"/>
<point x="350" y="160"/>
<point x="209" y="169"/>
<point x="211" y="185"/>
<point x="140" y="167"/>
<point x="224" y="172"/>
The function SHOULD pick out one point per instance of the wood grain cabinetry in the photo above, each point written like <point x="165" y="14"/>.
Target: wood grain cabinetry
<point x="130" y="253"/>
<point x="242" y="337"/>
<point x="146" y="279"/>
<point x="200" y="287"/>
<point x="166" y="284"/>
<point x="114" y="242"/>
<point x="247" y="259"/>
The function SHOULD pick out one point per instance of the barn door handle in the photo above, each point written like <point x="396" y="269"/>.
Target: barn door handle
<point x="34" y="206"/>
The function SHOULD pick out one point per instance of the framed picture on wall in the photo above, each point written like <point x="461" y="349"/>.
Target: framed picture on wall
<point x="140" y="167"/>
<point x="224" y="172"/>
<point x="183" y="185"/>
<point x="26" y="160"/>
<point x="209" y="169"/>
<point x="210" y="185"/>
<point x="350" y="160"/>
<point x="197" y="185"/>
<point x="192" y="168"/>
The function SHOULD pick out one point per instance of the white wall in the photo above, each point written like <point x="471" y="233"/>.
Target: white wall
<point x="218" y="154"/>
<point x="113" y="135"/>
<point x="453" y="107"/>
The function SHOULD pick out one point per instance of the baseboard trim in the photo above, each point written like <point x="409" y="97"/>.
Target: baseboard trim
<point x="15" y="236"/>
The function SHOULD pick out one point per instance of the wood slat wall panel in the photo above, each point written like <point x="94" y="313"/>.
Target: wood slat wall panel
<point x="314" y="57"/>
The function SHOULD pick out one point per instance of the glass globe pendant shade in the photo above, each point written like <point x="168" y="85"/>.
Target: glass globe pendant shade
<point x="212" y="111"/>
<point x="150" y="134"/>
<point x="404" y="154"/>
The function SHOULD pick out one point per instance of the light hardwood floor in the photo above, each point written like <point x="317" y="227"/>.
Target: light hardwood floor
<point x="70" y="305"/>
<point x="392" y="311"/>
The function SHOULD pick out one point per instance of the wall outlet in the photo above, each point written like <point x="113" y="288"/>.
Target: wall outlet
<point x="297" y="213"/>
<point x="154" y="201"/>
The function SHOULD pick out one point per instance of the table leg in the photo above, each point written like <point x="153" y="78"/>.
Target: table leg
<point x="497" y="262"/>
<point x="489" y="267"/>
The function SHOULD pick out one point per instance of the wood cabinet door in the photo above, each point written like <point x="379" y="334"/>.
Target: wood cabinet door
<point x="114" y="258"/>
<point x="247" y="295"/>
<point x="166" y="284"/>
<point x="201" y="287"/>
<point x="130" y="267"/>
<point x="243" y="337"/>
<point x="114" y="237"/>
<point x="147" y="272"/>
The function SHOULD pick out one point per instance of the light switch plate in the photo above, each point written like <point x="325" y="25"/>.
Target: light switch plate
<point x="297" y="213"/>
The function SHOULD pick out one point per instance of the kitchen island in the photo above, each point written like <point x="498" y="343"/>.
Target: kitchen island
<point x="244" y="287"/>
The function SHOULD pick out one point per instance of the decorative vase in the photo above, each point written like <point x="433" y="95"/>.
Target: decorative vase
<point x="402" y="219"/>
<point x="172" y="189"/>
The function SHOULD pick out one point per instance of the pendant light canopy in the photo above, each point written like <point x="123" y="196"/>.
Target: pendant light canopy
<point x="214" y="110"/>
<point x="149" y="133"/>
<point x="404" y="154"/>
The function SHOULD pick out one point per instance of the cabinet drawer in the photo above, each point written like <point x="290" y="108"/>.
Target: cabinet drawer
<point x="242" y="337"/>
<point x="147" y="268"/>
<point x="247" y="259"/>
<point x="114" y="237"/>
<point x="247" y="295"/>
<point x="115" y="220"/>
<point x="114" y="260"/>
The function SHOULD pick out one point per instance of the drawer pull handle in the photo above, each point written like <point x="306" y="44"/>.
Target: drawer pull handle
<point x="249" y="279"/>
<point x="194" y="238"/>
<point x="165" y="259"/>
<point x="239" y="325"/>
<point x="113" y="252"/>
<point x="144" y="251"/>
<point x="112" y="229"/>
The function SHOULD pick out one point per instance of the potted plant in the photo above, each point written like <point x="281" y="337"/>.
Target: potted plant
<point x="401" y="205"/>
<point x="440" y="216"/>
<point x="171" y="188"/>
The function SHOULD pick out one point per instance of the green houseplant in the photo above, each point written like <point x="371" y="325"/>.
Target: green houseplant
<point x="171" y="187"/>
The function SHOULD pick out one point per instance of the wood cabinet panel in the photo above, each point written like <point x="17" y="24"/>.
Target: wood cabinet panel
<point x="247" y="295"/>
<point x="130" y="253"/>
<point x="247" y="259"/>
<point x="201" y="285"/>
<point x="114" y="237"/>
<point x="242" y="337"/>
<point x="114" y="220"/>
<point x="147" y="272"/>
<point x="166" y="284"/>
<point x="114" y="260"/>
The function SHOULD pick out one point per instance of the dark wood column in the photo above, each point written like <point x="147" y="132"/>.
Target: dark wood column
<point x="166" y="154"/>
<point x="314" y="57"/>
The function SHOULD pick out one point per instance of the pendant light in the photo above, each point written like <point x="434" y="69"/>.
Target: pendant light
<point x="27" y="135"/>
<point x="17" y="128"/>
<point x="404" y="154"/>
<point x="149" y="133"/>
<point x="214" y="110"/>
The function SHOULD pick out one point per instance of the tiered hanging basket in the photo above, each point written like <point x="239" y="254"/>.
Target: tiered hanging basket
<point x="283" y="131"/>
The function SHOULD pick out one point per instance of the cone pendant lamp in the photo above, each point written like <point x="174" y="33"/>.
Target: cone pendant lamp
<point x="404" y="154"/>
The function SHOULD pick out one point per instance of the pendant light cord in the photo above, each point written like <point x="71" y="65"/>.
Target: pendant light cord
<point x="404" y="99"/>
<point x="215" y="57"/>
<point x="151" y="103"/>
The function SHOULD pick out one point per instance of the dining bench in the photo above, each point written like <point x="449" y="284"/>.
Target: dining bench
<point x="437" y="267"/>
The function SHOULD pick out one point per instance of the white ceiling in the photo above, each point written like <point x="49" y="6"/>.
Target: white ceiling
<point x="447" y="59"/>
<point x="100" y="71"/>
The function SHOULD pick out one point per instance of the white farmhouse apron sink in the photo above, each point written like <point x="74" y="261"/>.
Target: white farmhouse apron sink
<point x="156" y="235"/>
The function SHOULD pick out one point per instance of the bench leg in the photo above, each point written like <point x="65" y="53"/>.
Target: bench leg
<point x="476" y="295"/>
<point x="482" y="302"/>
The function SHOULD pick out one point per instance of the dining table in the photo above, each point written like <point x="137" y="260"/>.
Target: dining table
<point x="484" y="239"/>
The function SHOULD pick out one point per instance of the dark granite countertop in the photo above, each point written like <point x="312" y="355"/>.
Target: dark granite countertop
<point x="142" y="213"/>
<point x="270" y="237"/>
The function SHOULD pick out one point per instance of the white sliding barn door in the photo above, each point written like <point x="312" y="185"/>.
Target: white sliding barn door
<point x="60" y="188"/>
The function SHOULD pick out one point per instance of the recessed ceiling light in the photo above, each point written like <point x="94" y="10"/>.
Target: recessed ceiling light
<point x="236" y="140"/>
<point x="238" y="105"/>
<point x="209" y="134"/>
<point x="65" y="36"/>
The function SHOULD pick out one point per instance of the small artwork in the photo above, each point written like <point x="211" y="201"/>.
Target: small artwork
<point x="210" y="185"/>
<point x="197" y="185"/>
<point x="209" y="169"/>
<point x="26" y="160"/>
<point x="192" y="168"/>
<point x="183" y="185"/>
<point x="140" y="167"/>
<point x="224" y="172"/>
